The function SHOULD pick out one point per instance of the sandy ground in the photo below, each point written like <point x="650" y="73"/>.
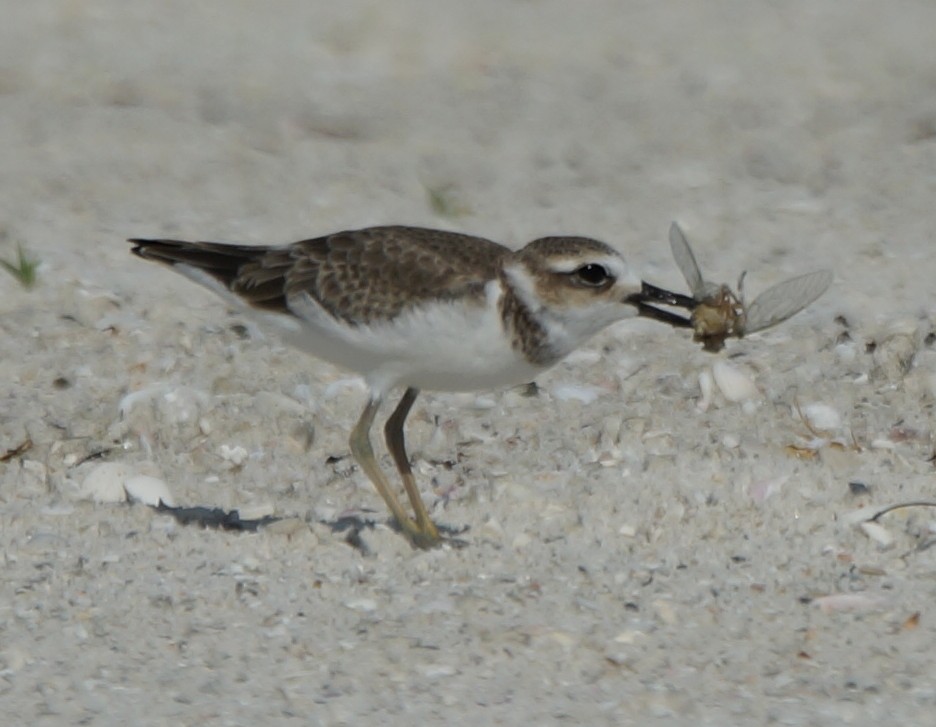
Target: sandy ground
<point x="633" y="558"/>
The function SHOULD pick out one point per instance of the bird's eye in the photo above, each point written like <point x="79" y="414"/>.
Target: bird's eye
<point x="592" y="275"/>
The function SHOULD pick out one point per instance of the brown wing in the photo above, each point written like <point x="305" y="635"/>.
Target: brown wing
<point x="358" y="276"/>
<point x="227" y="264"/>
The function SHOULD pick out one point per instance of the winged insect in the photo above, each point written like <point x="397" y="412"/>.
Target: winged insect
<point x="720" y="313"/>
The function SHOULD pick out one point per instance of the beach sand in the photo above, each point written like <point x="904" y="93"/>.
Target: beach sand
<point x="638" y="552"/>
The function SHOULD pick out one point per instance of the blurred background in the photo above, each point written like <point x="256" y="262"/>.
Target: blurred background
<point x="771" y="131"/>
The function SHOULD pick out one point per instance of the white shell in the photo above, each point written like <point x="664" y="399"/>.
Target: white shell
<point x="763" y="490"/>
<point x="577" y="392"/>
<point x="849" y="602"/>
<point x="256" y="512"/>
<point x="365" y="605"/>
<point x="236" y="455"/>
<point x="148" y="490"/>
<point x="105" y="483"/>
<point x="822" y="417"/>
<point x="734" y="384"/>
<point x="707" y="387"/>
<point x="878" y="533"/>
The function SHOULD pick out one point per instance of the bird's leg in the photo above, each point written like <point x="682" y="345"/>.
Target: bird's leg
<point x="363" y="452"/>
<point x="396" y="443"/>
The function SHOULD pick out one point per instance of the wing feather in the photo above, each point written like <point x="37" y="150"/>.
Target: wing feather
<point x="358" y="276"/>
<point x="785" y="300"/>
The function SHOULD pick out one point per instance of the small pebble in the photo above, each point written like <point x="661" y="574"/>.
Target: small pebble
<point x="731" y="441"/>
<point x="893" y="356"/>
<point x="289" y="527"/>
<point x="846" y="353"/>
<point x="365" y="605"/>
<point x="438" y="671"/>
<point x="256" y="512"/>
<point x="859" y="488"/>
<point x="236" y="455"/>
<point x="483" y="402"/>
<point x="251" y="564"/>
<point x="765" y="489"/>
<point x="629" y="637"/>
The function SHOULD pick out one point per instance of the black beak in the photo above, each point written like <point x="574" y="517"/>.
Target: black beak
<point x="651" y="294"/>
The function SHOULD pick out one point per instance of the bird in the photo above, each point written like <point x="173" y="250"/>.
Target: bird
<point x="418" y="309"/>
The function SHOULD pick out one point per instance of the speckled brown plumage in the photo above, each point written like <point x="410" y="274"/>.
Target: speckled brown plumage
<point x="529" y="337"/>
<point x="544" y="248"/>
<point x="359" y="277"/>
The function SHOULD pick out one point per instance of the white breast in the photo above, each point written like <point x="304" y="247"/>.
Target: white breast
<point x="456" y="345"/>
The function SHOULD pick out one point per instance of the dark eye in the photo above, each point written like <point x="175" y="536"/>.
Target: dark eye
<point x="592" y="275"/>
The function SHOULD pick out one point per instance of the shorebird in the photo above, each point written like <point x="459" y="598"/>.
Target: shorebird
<point x="415" y="308"/>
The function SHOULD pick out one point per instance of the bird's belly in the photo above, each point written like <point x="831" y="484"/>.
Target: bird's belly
<point x="452" y="346"/>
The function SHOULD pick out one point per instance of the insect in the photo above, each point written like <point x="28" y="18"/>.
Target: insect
<point x="719" y="313"/>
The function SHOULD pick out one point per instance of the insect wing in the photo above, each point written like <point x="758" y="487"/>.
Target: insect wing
<point x="686" y="262"/>
<point x="785" y="300"/>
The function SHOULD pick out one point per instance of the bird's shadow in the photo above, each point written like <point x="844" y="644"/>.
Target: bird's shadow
<point x="214" y="517"/>
<point x="351" y="526"/>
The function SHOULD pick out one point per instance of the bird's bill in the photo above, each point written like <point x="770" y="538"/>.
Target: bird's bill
<point x="651" y="294"/>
